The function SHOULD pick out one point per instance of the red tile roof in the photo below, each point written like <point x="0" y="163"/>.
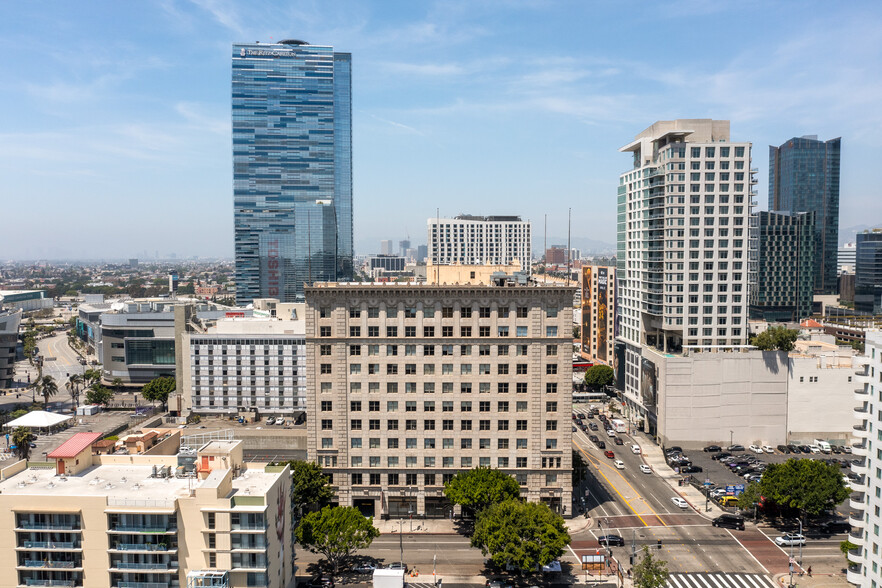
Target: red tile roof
<point x="75" y="445"/>
<point x="811" y="324"/>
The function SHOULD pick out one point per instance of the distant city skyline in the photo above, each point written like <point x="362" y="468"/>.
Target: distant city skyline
<point x="117" y="133"/>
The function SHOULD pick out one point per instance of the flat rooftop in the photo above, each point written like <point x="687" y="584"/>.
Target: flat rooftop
<point x="125" y="482"/>
<point x="425" y="286"/>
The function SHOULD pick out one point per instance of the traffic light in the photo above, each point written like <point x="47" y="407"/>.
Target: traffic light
<point x="659" y="543"/>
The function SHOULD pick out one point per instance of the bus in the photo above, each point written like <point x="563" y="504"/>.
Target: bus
<point x="595" y="397"/>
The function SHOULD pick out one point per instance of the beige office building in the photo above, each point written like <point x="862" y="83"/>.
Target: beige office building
<point x="409" y="384"/>
<point x="127" y="521"/>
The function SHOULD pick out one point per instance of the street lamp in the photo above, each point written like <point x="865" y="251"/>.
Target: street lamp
<point x="731" y="434"/>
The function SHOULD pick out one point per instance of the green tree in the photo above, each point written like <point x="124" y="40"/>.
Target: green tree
<point x="159" y="389"/>
<point x="846" y="546"/>
<point x="336" y="533"/>
<point x="21" y="438"/>
<point x="750" y="497"/>
<point x="73" y="388"/>
<point x="650" y="572"/>
<point x="117" y="384"/>
<point x="478" y="488"/>
<point x="526" y="535"/>
<point x="577" y="332"/>
<point x="91" y="376"/>
<point x="776" y="338"/>
<point x="309" y="486"/>
<point x="47" y="388"/>
<point x="598" y="377"/>
<point x="804" y="484"/>
<point x="98" y="394"/>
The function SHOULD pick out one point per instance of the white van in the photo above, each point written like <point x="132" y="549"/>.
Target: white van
<point x="823" y="445"/>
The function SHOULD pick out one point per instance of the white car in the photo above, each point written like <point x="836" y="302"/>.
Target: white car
<point x="620" y="465"/>
<point x="645" y="469"/>
<point x="768" y="449"/>
<point x="790" y="539"/>
<point x="679" y="502"/>
<point x="271" y="421"/>
<point x="610" y="433"/>
<point x="814" y="449"/>
<point x="635" y="449"/>
<point x="756" y="449"/>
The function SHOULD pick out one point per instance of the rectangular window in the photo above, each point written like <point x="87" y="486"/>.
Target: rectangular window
<point x="522" y="331"/>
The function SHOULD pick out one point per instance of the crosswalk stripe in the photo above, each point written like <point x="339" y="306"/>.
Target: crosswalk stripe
<point x="751" y="581"/>
<point x="719" y="580"/>
<point x="672" y="578"/>
<point x="702" y="578"/>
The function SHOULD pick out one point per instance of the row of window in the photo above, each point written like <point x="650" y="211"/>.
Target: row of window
<point x="429" y="350"/>
<point x="446" y="331"/>
<point x="446" y="387"/>
<point x="356" y="461"/>
<point x="465" y="369"/>
<point x="429" y="406"/>
<point x="429" y="425"/>
<point x="446" y="312"/>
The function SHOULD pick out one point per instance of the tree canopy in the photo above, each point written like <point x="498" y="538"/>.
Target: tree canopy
<point x="806" y="485"/>
<point x="21" y="438"/>
<point x="336" y="533"/>
<point x="776" y="338"/>
<point x="478" y="488"/>
<point x="308" y="486"/>
<point x="158" y="389"/>
<point x="98" y="394"/>
<point x="525" y="535"/>
<point x="47" y="387"/>
<point x="598" y="376"/>
<point x="650" y="572"/>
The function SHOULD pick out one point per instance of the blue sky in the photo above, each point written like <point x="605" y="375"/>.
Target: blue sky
<point x="115" y="116"/>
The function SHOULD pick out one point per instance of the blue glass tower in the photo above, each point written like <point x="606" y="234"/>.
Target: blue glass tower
<point x="804" y="177"/>
<point x="292" y="168"/>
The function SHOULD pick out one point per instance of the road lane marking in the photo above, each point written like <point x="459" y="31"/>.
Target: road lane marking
<point x="747" y="550"/>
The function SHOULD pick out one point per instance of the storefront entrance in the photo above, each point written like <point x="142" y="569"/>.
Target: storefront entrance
<point x="365" y="506"/>
<point x="400" y="507"/>
<point x="438" y="508"/>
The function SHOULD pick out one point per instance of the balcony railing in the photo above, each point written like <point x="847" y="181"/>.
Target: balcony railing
<point x="124" y="565"/>
<point x="41" y="582"/>
<point x="47" y="526"/>
<point x="142" y="529"/>
<point x="39" y="563"/>
<point x="50" y="545"/>
<point x="141" y="547"/>
<point x="144" y="585"/>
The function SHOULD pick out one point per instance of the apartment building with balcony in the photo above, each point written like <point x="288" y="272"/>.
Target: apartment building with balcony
<point x="480" y="240"/>
<point x="409" y="384"/>
<point x="127" y="521"/>
<point x="866" y="500"/>
<point x="684" y="259"/>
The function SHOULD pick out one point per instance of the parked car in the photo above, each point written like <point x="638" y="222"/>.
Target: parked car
<point x="620" y="465"/>
<point x="805" y="449"/>
<point x="397" y="566"/>
<point x="783" y="449"/>
<point x="499" y="583"/>
<point x="721" y="456"/>
<point x="790" y="539"/>
<point x="815" y="448"/>
<point x="756" y="448"/>
<point x="321" y="582"/>
<point x="713" y="449"/>
<point x="609" y="454"/>
<point x="645" y="468"/>
<point x="834" y="527"/>
<point x="768" y="449"/>
<point x="729" y="521"/>
<point x="364" y="568"/>
<point x="736" y="447"/>
<point x="635" y="449"/>
<point x="611" y="540"/>
<point x="618" y="441"/>
<point x="691" y="469"/>
<point x="836" y="449"/>
<point x="271" y="421"/>
<point x="846" y="449"/>
<point x="679" y="502"/>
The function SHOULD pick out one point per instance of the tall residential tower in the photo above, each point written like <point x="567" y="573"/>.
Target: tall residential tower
<point x="804" y="177"/>
<point x="684" y="210"/>
<point x="292" y="167"/>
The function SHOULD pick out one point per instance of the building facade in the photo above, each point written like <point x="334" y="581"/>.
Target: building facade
<point x="10" y="320"/>
<point x="598" y="313"/>
<point x="129" y="520"/>
<point x="684" y="259"/>
<point x="244" y="364"/>
<point x="480" y="240"/>
<point x="846" y="258"/>
<point x="408" y="385"/>
<point x="863" y="569"/>
<point x="292" y="167"/>
<point x="868" y="272"/>
<point x="804" y="177"/>
<point x="783" y="290"/>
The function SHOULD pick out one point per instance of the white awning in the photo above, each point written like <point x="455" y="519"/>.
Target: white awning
<point x="38" y="419"/>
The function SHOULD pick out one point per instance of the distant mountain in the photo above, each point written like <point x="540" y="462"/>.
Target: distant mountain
<point x="587" y="246"/>
<point x="847" y="234"/>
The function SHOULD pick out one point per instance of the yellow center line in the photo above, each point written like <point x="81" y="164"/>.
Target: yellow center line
<point x="597" y="464"/>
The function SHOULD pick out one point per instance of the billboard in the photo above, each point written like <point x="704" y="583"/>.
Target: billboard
<point x="602" y="309"/>
<point x="586" y="310"/>
<point x="619" y="350"/>
<point x="648" y="384"/>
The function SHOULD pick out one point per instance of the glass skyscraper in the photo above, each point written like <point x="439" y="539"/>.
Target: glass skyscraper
<point x="292" y="168"/>
<point x="804" y="177"/>
<point x="868" y="272"/>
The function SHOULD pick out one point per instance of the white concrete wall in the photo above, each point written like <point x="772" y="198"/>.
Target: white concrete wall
<point x="820" y="401"/>
<point x="722" y="396"/>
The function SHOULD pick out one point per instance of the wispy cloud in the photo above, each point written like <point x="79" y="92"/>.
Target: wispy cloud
<point x="197" y="117"/>
<point x="223" y="12"/>
<point x="397" y="125"/>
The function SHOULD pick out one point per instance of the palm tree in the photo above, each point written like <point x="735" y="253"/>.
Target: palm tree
<point x="47" y="387"/>
<point x="21" y="438"/>
<point x="73" y="388"/>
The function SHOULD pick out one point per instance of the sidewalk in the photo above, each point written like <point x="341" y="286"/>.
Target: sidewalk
<point x="654" y="457"/>
<point x="815" y="581"/>
<point x="449" y="527"/>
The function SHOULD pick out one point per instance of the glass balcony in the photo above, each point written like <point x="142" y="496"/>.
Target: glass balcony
<point x="861" y="394"/>
<point x="856" y="520"/>
<point x="856" y="537"/>
<point x="41" y="563"/>
<point x="141" y="547"/>
<point x="144" y="585"/>
<point x="125" y="565"/>
<point x="863" y="378"/>
<point x="141" y="529"/>
<point x="860" y="431"/>
<point x="853" y="575"/>
<point x="41" y="582"/>
<point x="859" y="468"/>
<point x="856" y="555"/>
<point x="859" y="449"/>
<point x="50" y="545"/>
<point x="60" y="526"/>
<point x="856" y="501"/>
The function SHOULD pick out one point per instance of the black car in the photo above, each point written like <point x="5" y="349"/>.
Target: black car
<point x="722" y="455"/>
<point x="321" y="582"/>
<point x="574" y="429"/>
<point x="793" y="448"/>
<point x="713" y="449"/>
<point x="691" y="469"/>
<point x="611" y="541"/>
<point x="736" y="447"/>
<point x="592" y="426"/>
<point x="805" y="449"/>
<point x="783" y="449"/>
<point x="729" y="521"/>
<point x="618" y="441"/>
<point x="674" y="449"/>
<point x="601" y="445"/>
<point x="834" y="527"/>
<point x="593" y="438"/>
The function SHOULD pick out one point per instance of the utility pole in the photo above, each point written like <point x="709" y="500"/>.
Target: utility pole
<point x="400" y="540"/>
